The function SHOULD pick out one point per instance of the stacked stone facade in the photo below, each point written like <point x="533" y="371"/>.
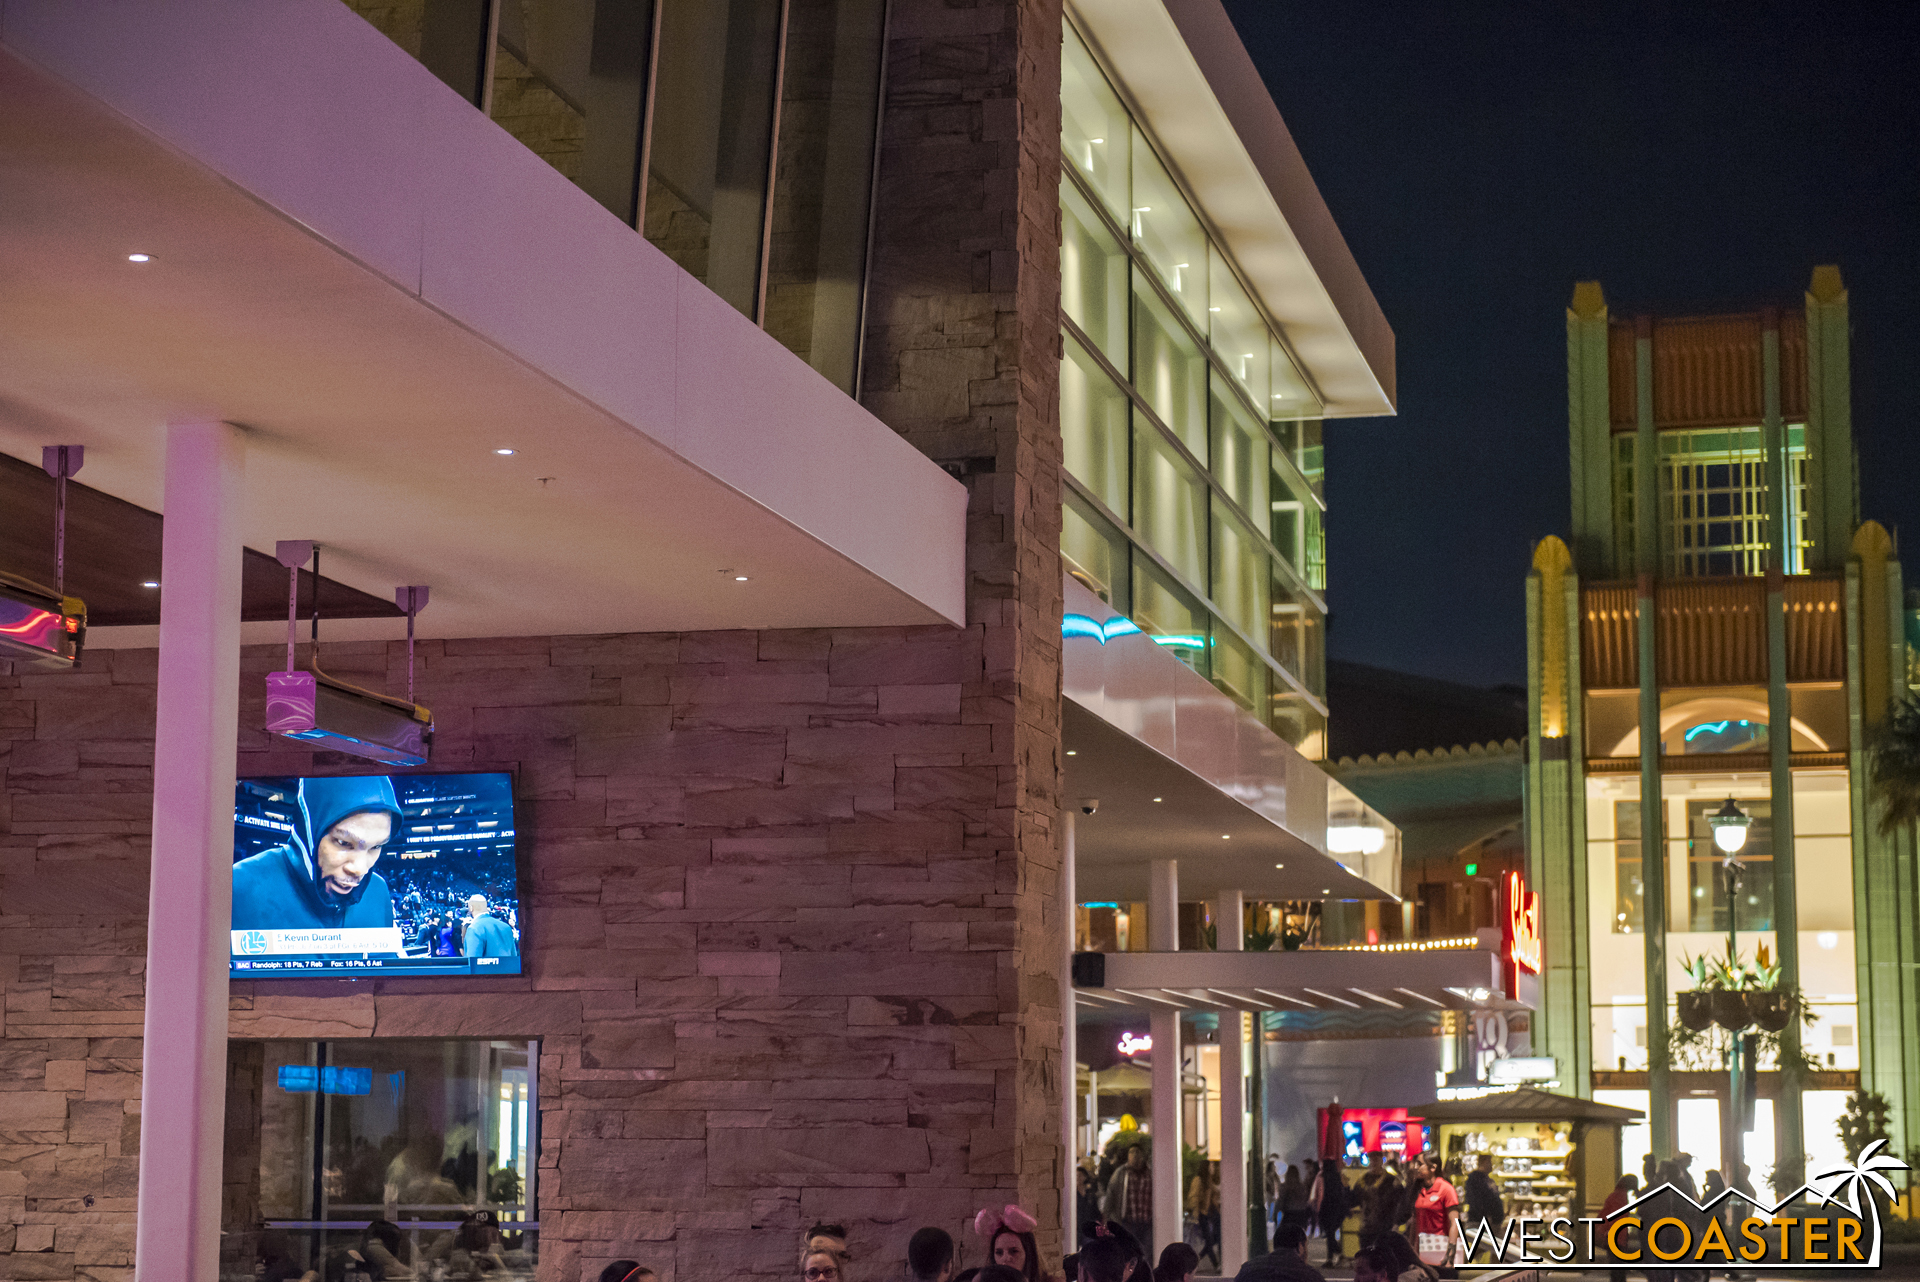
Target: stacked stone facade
<point x="775" y="917"/>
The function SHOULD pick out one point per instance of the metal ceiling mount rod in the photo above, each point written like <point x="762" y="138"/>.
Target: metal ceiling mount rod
<point x="412" y="600"/>
<point x="61" y="462"/>
<point x="294" y="553"/>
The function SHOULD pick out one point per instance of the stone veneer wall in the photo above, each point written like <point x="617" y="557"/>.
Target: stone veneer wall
<point x="778" y="952"/>
<point x="962" y="357"/>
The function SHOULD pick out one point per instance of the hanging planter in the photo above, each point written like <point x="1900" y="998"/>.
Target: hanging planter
<point x="1730" y="1010"/>
<point x="1695" y="1009"/>
<point x="1771" y="1008"/>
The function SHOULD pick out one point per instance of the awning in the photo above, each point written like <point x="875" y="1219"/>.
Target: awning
<point x="1378" y="978"/>
<point x="1526" y="1104"/>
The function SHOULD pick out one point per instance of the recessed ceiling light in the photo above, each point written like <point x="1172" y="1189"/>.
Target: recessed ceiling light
<point x="149" y="584"/>
<point x="1072" y="753"/>
<point x="139" y="258"/>
<point x="505" y="453"/>
<point x="1326" y="892"/>
<point x="1279" y="865"/>
<point x="1156" y="798"/>
<point x="1226" y="836"/>
<point x="739" y="578"/>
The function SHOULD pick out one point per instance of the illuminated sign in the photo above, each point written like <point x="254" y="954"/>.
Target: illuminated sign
<point x="1522" y="932"/>
<point x="1135" y="1044"/>
<point x="1081" y="625"/>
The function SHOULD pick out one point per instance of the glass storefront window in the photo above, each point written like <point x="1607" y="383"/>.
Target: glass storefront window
<point x="1169" y="371"/>
<point x="1093" y="427"/>
<point x="1629" y="896"/>
<point x="1169" y="503"/>
<point x="1095" y="553"/>
<point x="1296" y="528"/>
<point x="1164" y="228"/>
<point x="817" y="241"/>
<point x="417" y="1136"/>
<point x="570" y="82"/>
<point x="1093" y="276"/>
<point x="1296" y="634"/>
<point x="1239" y="671"/>
<point x="707" y="159"/>
<point x="1238" y="332"/>
<point x="448" y="36"/>
<point x="1240" y="575"/>
<point x="1168" y="612"/>
<point x="1298" y="722"/>
<point x="1240" y="453"/>
<point x="1095" y="133"/>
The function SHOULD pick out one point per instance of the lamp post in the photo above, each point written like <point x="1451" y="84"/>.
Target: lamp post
<point x="1730" y="824"/>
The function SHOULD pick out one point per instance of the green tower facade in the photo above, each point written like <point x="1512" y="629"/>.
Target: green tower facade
<point x="1719" y="625"/>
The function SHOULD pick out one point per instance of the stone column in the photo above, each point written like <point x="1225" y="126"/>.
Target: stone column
<point x="1233" y="1136"/>
<point x="962" y="358"/>
<point x="189" y="907"/>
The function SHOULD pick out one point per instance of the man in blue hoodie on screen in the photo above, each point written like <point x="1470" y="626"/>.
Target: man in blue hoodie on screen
<point x="323" y="878"/>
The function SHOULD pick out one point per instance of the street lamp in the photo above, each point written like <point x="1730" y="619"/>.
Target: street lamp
<point x="1730" y="824"/>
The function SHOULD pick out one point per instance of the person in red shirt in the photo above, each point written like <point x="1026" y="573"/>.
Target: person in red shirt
<point x="1436" y="1213"/>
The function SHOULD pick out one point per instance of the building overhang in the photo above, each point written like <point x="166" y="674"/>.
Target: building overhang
<point x="1194" y="86"/>
<point x="1182" y="772"/>
<point x="1379" y="980"/>
<point x="384" y="288"/>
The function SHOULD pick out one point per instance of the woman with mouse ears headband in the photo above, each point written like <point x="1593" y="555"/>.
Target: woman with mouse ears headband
<point x="1010" y="1241"/>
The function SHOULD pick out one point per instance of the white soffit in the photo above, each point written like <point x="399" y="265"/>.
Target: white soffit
<point x="1195" y="88"/>
<point x="383" y="287"/>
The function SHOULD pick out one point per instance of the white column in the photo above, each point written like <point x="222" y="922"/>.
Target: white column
<point x="1163" y="905"/>
<point x="1069" y="1048"/>
<point x="1168" y="1194"/>
<point x="189" y="906"/>
<point x="1233" y="1133"/>
<point x="1230" y="922"/>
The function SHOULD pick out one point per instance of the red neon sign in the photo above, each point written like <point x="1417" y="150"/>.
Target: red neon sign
<point x="1523" y="925"/>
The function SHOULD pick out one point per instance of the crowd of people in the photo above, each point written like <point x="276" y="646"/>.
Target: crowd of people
<point x="1409" y="1230"/>
<point x="432" y="906"/>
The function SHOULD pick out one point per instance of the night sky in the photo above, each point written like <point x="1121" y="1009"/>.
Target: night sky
<point x="1482" y="157"/>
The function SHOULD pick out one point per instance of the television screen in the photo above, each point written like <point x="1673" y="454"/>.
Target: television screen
<point x="389" y="874"/>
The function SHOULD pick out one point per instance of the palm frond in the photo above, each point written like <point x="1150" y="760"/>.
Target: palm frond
<point x="1894" y="752"/>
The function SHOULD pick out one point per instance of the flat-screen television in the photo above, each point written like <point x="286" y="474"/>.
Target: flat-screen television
<point x="343" y="875"/>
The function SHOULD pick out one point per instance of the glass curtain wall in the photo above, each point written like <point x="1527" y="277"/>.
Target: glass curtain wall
<point x="737" y="135"/>
<point x="1192" y="440"/>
